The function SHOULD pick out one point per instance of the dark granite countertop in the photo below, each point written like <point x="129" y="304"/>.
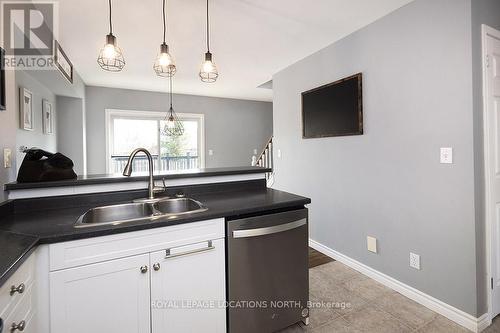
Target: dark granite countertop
<point x="15" y="248"/>
<point x="57" y="224"/>
<point x="118" y="178"/>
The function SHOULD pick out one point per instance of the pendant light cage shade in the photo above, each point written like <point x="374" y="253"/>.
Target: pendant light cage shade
<point x="164" y="65"/>
<point x="111" y="56"/>
<point x="208" y="71"/>
<point x="173" y="126"/>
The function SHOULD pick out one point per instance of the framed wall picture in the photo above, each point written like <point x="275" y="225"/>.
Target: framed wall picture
<point x="2" y="80"/>
<point x="26" y="109"/>
<point x="47" y="117"/>
<point x="62" y="62"/>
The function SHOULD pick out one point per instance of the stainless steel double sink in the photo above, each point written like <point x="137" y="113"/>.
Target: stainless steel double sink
<point x="140" y="211"/>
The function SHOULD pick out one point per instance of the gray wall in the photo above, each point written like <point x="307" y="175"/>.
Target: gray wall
<point x="43" y="84"/>
<point x="388" y="183"/>
<point x="8" y="126"/>
<point x="483" y="12"/>
<point x="71" y="131"/>
<point x="35" y="138"/>
<point x="233" y="128"/>
<point x="58" y="84"/>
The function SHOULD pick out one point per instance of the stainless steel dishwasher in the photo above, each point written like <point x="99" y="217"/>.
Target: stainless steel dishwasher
<point x="268" y="280"/>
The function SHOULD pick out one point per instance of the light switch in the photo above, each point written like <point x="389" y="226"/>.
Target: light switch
<point x="210" y="152"/>
<point x="371" y="243"/>
<point x="446" y="156"/>
<point x="7" y="158"/>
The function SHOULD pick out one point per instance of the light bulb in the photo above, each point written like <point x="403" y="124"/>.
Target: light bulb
<point x="170" y="121"/>
<point x="173" y="127"/>
<point x="208" y="67"/>
<point x="109" y="51"/>
<point x="165" y="59"/>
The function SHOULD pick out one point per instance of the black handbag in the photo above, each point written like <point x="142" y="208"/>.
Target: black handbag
<point x="41" y="166"/>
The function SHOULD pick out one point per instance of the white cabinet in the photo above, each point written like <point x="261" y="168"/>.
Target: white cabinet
<point x="17" y="299"/>
<point x="111" y="296"/>
<point x="126" y="282"/>
<point x="188" y="288"/>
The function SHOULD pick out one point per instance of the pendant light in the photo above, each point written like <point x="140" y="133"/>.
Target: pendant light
<point x="111" y="56"/>
<point x="164" y="64"/>
<point x="173" y="126"/>
<point x="208" y="71"/>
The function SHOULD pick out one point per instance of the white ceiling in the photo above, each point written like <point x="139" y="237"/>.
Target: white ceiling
<point x="250" y="39"/>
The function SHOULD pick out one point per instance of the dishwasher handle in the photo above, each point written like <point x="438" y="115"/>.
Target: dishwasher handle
<point x="268" y="230"/>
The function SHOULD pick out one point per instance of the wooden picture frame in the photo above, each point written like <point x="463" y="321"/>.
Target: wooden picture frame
<point x="47" y="117"/>
<point x="3" y="103"/>
<point x="26" y="120"/>
<point x="62" y="62"/>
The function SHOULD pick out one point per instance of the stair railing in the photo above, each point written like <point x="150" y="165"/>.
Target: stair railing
<point x="266" y="160"/>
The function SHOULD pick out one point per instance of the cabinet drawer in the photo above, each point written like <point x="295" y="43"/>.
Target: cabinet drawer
<point x="25" y="276"/>
<point x="98" y="249"/>
<point x="22" y="314"/>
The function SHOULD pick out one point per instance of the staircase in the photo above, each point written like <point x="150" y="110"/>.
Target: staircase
<point x="266" y="160"/>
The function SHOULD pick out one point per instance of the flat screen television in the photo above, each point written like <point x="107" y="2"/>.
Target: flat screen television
<point x="335" y="109"/>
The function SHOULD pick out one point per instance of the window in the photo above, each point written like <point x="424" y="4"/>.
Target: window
<point x="127" y="130"/>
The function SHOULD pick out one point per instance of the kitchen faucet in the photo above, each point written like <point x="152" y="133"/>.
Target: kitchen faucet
<point x="128" y="171"/>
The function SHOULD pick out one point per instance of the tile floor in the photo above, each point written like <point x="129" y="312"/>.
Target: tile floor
<point x="368" y="307"/>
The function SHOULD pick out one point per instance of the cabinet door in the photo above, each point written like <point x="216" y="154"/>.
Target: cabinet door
<point x="188" y="289"/>
<point x="111" y="296"/>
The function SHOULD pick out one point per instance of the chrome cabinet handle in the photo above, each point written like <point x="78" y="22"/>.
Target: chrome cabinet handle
<point x="144" y="269"/>
<point x="156" y="266"/>
<point x="268" y="230"/>
<point x="19" y="289"/>
<point x="209" y="247"/>
<point x="18" y="327"/>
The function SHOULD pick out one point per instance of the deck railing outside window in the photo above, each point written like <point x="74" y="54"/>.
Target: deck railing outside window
<point x="167" y="163"/>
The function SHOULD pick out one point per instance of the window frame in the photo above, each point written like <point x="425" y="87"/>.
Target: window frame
<point x="111" y="114"/>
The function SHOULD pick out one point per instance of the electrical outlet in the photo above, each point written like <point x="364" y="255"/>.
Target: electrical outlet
<point x="446" y="155"/>
<point x="255" y="152"/>
<point x="7" y="158"/>
<point x="414" y="261"/>
<point x="371" y="243"/>
<point x="279" y="153"/>
<point x="210" y="152"/>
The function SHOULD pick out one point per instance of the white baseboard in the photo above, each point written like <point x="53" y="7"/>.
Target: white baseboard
<point x="458" y="316"/>
<point x="483" y="322"/>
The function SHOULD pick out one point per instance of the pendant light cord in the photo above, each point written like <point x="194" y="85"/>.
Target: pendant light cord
<point x="110" y="24"/>
<point x="208" y="33"/>
<point x="171" y="95"/>
<point x="164" y="21"/>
